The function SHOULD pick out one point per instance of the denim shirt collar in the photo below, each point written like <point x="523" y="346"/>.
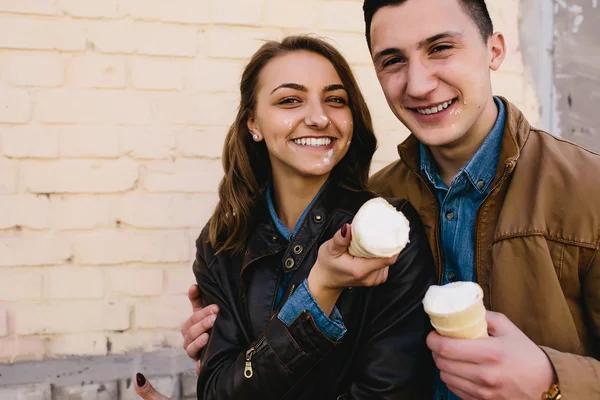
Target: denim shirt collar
<point x="482" y="165"/>
<point x="283" y="230"/>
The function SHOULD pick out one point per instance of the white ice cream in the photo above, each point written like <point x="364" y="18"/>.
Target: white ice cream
<point x="451" y="298"/>
<point x="379" y="229"/>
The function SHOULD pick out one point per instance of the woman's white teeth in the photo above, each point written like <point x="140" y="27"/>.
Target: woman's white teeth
<point x="434" y="110"/>
<point x="313" y="141"/>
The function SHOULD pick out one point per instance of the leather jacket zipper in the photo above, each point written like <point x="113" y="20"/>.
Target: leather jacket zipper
<point x="249" y="354"/>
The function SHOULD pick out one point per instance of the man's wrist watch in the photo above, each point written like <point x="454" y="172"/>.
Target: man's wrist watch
<point x="553" y="393"/>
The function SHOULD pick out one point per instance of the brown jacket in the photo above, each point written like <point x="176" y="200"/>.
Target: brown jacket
<point x="537" y="254"/>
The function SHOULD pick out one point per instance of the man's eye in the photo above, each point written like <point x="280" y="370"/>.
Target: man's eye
<point x="392" y="61"/>
<point x="441" y="48"/>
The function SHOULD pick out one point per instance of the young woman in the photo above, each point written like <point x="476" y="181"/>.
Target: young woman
<point x="299" y="317"/>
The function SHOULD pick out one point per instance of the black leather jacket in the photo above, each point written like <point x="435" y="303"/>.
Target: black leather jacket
<point x="252" y="354"/>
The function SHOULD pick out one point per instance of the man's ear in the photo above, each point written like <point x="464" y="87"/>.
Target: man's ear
<point x="497" y="48"/>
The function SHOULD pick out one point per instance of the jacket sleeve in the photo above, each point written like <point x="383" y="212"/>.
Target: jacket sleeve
<point x="268" y="367"/>
<point x="578" y="376"/>
<point x="394" y="362"/>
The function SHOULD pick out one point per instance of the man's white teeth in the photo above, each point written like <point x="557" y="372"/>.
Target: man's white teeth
<point x="313" y="141"/>
<point x="434" y="110"/>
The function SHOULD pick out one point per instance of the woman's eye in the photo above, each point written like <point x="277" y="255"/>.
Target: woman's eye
<point x="289" y="100"/>
<point x="338" y="100"/>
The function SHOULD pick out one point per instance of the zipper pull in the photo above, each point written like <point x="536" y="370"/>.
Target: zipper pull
<point x="248" y="369"/>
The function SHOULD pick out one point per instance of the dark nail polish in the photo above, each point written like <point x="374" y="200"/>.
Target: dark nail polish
<point x="141" y="379"/>
<point x="344" y="230"/>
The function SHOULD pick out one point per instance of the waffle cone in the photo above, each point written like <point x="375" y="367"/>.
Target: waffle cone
<point x="469" y="323"/>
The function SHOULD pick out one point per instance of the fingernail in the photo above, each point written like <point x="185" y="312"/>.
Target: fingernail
<point x="215" y="309"/>
<point x="203" y="340"/>
<point x="344" y="230"/>
<point x="212" y="319"/>
<point x="141" y="379"/>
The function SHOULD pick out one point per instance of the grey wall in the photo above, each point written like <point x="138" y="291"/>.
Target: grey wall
<point x="560" y="41"/>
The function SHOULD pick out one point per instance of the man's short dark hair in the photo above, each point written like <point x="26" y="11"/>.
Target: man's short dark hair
<point x="476" y="9"/>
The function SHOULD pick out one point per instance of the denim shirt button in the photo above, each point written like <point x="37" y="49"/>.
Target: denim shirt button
<point x="451" y="277"/>
<point x="481" y="184"/>
<point x="450" y="215"/>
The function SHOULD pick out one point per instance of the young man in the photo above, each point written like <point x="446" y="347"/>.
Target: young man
<point x="505" y="205"/>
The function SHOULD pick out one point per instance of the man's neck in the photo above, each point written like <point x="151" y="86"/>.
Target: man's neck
<point x="451" y="158"/>
<point x="292" y="195"/>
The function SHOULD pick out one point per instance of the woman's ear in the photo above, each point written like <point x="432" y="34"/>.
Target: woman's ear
<point x="254" y="129"/>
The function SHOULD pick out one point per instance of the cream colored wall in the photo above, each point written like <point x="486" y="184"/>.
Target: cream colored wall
<point x="112" y="117"/>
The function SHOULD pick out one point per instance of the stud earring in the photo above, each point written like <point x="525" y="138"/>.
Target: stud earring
<point x="255" y="136"/>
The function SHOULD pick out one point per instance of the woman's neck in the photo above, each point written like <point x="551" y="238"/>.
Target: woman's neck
<point x="292" y="195"/>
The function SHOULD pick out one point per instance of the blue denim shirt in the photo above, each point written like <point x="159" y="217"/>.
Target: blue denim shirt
<point x="458" y="209"/>
<point x="331" y="326"/>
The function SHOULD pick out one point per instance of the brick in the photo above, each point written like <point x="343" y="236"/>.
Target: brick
<point x="201" y="142"/>
<point x="71" y="317"/>
<point x="168" y="386"/>
<point x="74" y="283"/>
<point x="87" y="391"/>
<point x="216" y="75"/>
<point x="136" y="341"/>
<point x="15" y="104"/>
<point x="157" y="74"/>
<point x="143" y="38"/>
<point x="179" y="279"/>
<point x="135" y="281"/>
<point x="38" y="391"/>
<point x="8" y="176"/>
<point x="81" y="212"/>
<point x="188" y="176"/>
<point x="147" y="142"/>
<point x="83" y="344"/>
<point x="90" y="177"/>
<point x="341" y="16"/>
<point x="42" y="7"/>
<point x="173" y="339"/>
<point x="167" y="312"/>
<point x="30" y="33"/>
<point x="352" y="45"/>
<point x="93" y="107"/>
<point x="199" y="109"/>
<point x="290" y="14"/>
<point x="91" y="70"/>
<point x="30" y="141"/>
<point x="3" y="322"/>
<point x="89" y="141"/>
<point x="91" y="8"/>
<point x="165" y="210"/>
<point x="14" y="349"/>
<point x="149" y="247"/>
<point x="229" y="43"/>
<point x="35" y="70"/>
<point x="25" y="211"/>
<point x="238" y="12"/>
<point x="20" y="284"/>
<point x="37" y="250"/>
<point x="181" y="11"/>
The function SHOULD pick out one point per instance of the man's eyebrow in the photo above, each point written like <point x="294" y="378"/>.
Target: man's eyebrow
<point x="295" y="86"/>
<point x="396" y="51"/>
<point x="435" y="38"/>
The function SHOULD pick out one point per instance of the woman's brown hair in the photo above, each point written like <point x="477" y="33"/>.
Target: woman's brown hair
<point x="246" y="163"/>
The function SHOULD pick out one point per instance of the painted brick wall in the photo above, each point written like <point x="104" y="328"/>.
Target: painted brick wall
<point x="112" y="117"/>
